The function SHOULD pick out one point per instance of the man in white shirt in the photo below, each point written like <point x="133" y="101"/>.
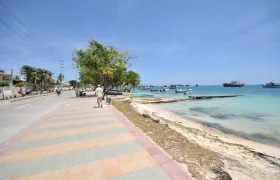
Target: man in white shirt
<point x="99" y="95"/>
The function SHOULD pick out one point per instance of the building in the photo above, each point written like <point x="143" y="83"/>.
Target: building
<point x="5" y="77"/>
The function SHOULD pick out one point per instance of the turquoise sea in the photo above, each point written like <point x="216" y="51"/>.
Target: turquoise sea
<point x="255" y="116"/>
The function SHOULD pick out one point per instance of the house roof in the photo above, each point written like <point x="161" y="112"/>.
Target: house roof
<point x="4" y="74"/>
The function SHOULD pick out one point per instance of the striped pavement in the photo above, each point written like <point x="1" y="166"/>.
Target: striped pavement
<point x="79" y="141"/>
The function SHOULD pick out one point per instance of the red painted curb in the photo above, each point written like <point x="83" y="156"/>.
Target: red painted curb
<point x="6" y="145"/>
<point x="161" y="157"/>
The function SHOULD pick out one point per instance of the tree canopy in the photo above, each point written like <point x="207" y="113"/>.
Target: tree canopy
<point x="105" y="65"/>
<point x="37" y="76"/>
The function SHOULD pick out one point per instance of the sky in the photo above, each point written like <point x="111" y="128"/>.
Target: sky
<point x="179" y="41"/>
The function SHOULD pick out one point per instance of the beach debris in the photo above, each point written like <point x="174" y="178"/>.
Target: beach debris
<point x="155" y="119"/>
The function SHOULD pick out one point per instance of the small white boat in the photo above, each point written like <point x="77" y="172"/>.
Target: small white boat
<point x="189" y="91"/>
<point x="180" y="90"/>
<point x="165" y="89"/>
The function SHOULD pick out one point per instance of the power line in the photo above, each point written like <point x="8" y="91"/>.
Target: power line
<point x="30" y="38"/>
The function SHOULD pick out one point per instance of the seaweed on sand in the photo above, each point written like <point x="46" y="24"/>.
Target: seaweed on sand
<point x="200" y="161"/>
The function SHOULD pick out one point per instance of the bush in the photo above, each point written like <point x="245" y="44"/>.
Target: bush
<point x="19" y="85"/>
<point x="6" y="97"/>
<point x="4" y="83"/>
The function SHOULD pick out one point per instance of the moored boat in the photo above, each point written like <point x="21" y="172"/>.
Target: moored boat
<point x="113" y="93"/>
<point x="271" y="85"/>
<point x="174" y="86"/>
<point x="183" y="90"/>
<point x="154" y="90"/>
<point x="165" y="89"/>
<point x="188" y="91"/>
<point x="234" y="84"/>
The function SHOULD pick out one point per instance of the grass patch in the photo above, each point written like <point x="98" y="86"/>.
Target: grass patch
<point x="200" y="161"/>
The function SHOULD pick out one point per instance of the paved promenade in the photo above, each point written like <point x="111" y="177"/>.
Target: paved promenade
<point x="80" y="142"/>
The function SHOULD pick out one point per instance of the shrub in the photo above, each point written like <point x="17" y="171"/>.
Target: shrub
<point x="4" y="83"/>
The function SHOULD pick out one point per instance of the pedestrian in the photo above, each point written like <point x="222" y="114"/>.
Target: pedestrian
<point x="99" y="95"/>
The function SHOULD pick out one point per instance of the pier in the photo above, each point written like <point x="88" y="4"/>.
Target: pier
<point x="213" y="96"/>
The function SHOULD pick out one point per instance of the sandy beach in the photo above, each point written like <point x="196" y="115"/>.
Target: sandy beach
<point x="242" y="158"/>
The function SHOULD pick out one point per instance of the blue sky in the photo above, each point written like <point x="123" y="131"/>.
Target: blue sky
<point x="179" y="41"/>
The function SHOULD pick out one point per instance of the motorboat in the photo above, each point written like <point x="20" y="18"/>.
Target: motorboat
<point x="153" y="90"/>
<point x="165" y="89"/>
<point x="271" y="85"/>
<point x="189" y="91"/>
<point x="180" y="90"/>
<point x="174" y="86"/>
<point x="234" y="84"/>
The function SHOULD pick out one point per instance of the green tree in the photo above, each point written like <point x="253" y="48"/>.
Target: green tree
<point x="103" y="65"/>
<point x="60" y="78"/>
<point x="2" y="71"/>
<point x="131" y="79"/>
<point x="29" y="72"/>
<point x="19" y="84"/>
<point x="73" y="83"/>
<point x="37" y="76"/>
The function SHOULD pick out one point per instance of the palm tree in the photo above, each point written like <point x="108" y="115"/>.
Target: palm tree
<point x="28" y="72"/>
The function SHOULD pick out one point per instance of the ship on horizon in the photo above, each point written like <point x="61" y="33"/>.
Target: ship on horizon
<point x="234" y="84"/>
<point x="271" y="85"/>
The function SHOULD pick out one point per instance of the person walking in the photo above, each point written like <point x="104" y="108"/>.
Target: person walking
<point x="99" y="95"/>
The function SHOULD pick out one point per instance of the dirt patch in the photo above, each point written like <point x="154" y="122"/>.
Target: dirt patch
<point x="202" y="163"/>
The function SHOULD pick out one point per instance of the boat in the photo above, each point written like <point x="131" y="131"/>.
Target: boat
<point x="154" y="90"/>
<point x="181" y="90"/>
<point x="174" y="86"/>
<point x="271" y="85"/>
<point x="234" y="84"/>
<point x="145" y="87"/>
<point x="187" y="85"/>
<point x="189" y="91"/>
<point x="113" y="93"/>
<point x="165" y="89"/>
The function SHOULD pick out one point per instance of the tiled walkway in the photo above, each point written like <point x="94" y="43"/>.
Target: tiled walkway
<point x="79" y="142"/>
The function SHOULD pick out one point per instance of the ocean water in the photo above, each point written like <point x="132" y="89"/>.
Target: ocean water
<point x="255" y="116"/>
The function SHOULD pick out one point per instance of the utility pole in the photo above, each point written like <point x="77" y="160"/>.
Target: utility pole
<point x="61" y="64"/>
<point x="11" y="81"/>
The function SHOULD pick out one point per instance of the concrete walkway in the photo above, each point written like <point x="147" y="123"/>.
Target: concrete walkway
<point x="79" y="141"/>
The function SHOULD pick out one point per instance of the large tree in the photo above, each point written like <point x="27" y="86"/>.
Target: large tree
<point x="104" y="65"/>
<point x="132" y="79"/>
